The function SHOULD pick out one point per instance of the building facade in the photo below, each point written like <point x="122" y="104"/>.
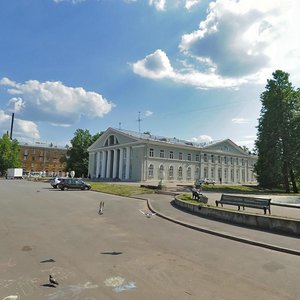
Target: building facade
<point x="42" y="158"/>
<point x="131" y="156"/>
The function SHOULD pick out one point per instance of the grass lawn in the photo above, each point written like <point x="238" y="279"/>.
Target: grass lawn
<point x="120" y="189"/>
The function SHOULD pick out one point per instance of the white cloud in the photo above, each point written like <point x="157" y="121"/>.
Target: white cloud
<point x="54" y="102"/>
<point x="148" y="113"/>
<point x="202" y="139"/>
<point x="239" y="121"/>
<point x="191" y="3"/>
<point x="22" y="130"/>
<point x="158" y="4"/>
<point x="238" y="42"/>
<point x="155" y="66"/>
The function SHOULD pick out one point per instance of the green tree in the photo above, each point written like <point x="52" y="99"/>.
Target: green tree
<point x="9" y="154"/>
<point x="77" y="156"/>
<point x="277" y="134"/>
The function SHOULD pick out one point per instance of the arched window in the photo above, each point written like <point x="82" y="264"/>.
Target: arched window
<point x="111" y="140"/>
<point x="189" y="173"/>
<point x="180" y="172"/>
<point x="197" y="173"/>
<point x="161" y="172"/>
<point x="150" y="171"/>
<point x="171" y="172"/>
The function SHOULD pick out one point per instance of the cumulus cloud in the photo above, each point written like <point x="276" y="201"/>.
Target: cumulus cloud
<point x="148" y="113"/>
<point x="236" y="43"/>
<point x="158" y="4"/>
<point x="202" y="139"/>
<point x="155" y="66"/>
<point x="23" y="130"/>
<point x="240" y="121"/>
<point x="54" y="102"/>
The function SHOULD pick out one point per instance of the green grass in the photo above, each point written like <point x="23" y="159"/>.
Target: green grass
<point x="242" y="189"/>
<point x="120" y="189"/>
<point x="187" y="197"/>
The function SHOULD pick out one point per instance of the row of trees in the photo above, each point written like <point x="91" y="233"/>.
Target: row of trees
<point x="278" y="136"/>
<point x="9" y="154"/>
<point x="77" y="156"/>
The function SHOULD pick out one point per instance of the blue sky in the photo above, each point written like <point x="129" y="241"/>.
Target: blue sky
<point x="193" y="69"/>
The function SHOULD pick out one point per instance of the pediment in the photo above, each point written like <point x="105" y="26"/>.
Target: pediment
<point x="111" y="137"/>
<point x="226" y="146"/>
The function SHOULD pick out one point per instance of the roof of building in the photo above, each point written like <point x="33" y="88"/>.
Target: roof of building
<point x="158" y="138"/>
<point x="41" y="145"/>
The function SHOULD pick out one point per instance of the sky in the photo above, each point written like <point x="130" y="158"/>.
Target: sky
<point x="190" y="69"/>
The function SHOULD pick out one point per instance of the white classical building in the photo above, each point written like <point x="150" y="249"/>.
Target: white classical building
<point x="142" y="157"/>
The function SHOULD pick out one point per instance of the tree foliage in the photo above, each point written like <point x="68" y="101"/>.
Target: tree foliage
<point x="9" y="154"/>
<point x="77" y="156"/>
<point x="277" y="141"/>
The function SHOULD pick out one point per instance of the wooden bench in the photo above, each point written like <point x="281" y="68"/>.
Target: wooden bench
<point x="244" y="201"/>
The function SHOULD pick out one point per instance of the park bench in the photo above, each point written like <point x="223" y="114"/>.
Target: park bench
<point x="245" y="201"/>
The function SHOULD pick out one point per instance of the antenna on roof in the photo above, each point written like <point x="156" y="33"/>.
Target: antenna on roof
<point x="139" y="120"/>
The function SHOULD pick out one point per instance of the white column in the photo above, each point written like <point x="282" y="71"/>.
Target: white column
<point x="127" y="162"/>
<point x="104" y="153"/>
<point x="121" y="164"/>
<point x="115" y="163"/>
<point x="97" y="163"/>
<point x="108" y="164"/>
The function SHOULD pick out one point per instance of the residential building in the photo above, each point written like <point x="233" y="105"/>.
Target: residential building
<point x="131" y="156"/>
<point x="42" y="158"/>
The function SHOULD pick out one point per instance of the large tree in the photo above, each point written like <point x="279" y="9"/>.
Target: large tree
<point x="278" y="132"/>
<point x="9" y="154"/>
<point x="77" y="156"/>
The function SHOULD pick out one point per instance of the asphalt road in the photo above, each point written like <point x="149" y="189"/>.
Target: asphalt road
<point x="122" y="254"/>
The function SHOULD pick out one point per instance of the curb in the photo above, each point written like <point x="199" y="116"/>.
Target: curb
<point x="225" y="235"/>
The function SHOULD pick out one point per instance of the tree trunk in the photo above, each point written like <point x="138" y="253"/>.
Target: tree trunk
<point x="295" y="188"/>
<point x="286" y="177"/>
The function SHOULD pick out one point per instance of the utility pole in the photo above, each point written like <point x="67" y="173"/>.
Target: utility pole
<point x="139" y="120"/>
<point x="12" y="125"/>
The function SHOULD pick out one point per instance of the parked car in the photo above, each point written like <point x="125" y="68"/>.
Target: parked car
<point x="208" y="181"/>
<point x="55" y="181"/>
<point x="73" y="183"/>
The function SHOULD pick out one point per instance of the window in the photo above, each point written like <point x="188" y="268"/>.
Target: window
<point x="232" y="175"/>
<point x="225" y="160"/>
<point x="197" y="157"/>
<point x="151" y="152"/>
<point x="171" y="155"/>
<point x="189" y="173"/>
<point x="212" y="158"/>
<point x="150" y="171"/>
<point x="162" y="153"/>
<point x="205" y="157"/>
<point x="231" y="160"/>
<point x="226" y="174"/>
<point x="219" y="159"/>
<point x="237" y="161"/>
<point x="161" y="172"/>
<point x="237" y="175"/>
<point x="180" y="172"/>
<point x="205" y="173"/>
<point x="25" y="157"/>
<point x="212" y="173"/>
<point x="189" y="156"/>
<point x="180" y="155"/>
<point x="171" y="172"/>
<point x="25" y="151"/>
<point x="197" y="173"/>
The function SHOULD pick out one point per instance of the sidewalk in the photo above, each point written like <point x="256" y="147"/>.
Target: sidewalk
<point x="162" y="205"/>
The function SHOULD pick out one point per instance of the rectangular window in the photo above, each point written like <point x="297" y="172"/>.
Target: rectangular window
<point x="212" y="158"/>
<point x="205" y="158"/>
<point x="171" y="154"/>
<point x="197" y="157"/>
<point x="180" y="155"/>
<point x="219" y="159"/>
<point x="225" y="159"/>
<point x="25" y="157"/>
<point x="189" y="156"/>
<point x="151" y="152"/>
<point x="162" y="153"/>
<point x="231" y="160"/>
